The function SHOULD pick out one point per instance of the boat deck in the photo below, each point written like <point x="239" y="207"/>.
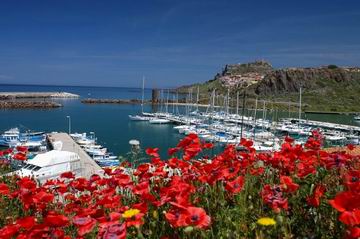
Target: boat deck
<point x="88" y="165"/>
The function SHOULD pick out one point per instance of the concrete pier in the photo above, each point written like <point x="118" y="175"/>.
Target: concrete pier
<point x="88" y="165"/>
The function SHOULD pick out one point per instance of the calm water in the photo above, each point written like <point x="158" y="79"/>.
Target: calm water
<point x="109" y="122"/>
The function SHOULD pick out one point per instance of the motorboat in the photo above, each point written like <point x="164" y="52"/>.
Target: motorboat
<point x="139" y="118"/>
<point x="159" y="121"/>
<point x="83" y="139"/>
<point x="12" y="138"/>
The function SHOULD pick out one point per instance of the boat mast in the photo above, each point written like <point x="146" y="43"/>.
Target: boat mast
<point x="142" y="96"/>
<point x="167" y="101"/>
<point x="264" y="114"/>
<point x="242" y="115"/>
<point x="237" y="103"/>
<point x="227" y="102"/>
<point x="197" y="99"/>
<point x="213" y="101"/>
<point x="300" y="108"/>
<point x="256" y="103"/>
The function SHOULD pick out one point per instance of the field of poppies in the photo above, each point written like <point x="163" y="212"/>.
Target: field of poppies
<point x="298" y="192"/>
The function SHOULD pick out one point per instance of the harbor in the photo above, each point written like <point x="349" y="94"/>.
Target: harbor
<point x="46" y="156"/>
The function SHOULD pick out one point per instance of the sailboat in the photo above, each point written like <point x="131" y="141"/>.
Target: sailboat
<point x="141" y="117"/>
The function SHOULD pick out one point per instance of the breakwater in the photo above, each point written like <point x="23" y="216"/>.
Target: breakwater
<point x="28" y="104"/>
<point x="111" y="101"/>
<point x="32" y="95"/>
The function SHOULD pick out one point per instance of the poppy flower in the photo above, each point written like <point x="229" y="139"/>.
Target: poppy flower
<point x="9" y="231"/>
<point x="26" y="222"/>
<point x="54" y="219"/>
<point x="288" y="185"/>
<point x="69" y="175"/>
<point x="21" y="148"/>
<point x="208" y="146"/>
<point x="110" y="230"/>
<point x="4" y="189"/>
<point x="171" y="151"/>
<point x="197" y="217"/>
<point x="314" y="200"/>
<point x="176" y="218"/>
<point x="235" y="186"/>
<point x="350" y="147"/>
<point x="20" y="156"/>
<point x="84" y="224"/>
<point x="152" y="152"/>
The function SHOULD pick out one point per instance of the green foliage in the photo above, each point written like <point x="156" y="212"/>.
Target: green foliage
<point x="332" y="67"/>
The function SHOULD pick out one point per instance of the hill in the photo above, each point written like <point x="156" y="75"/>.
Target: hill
<point x="329" y="88"/>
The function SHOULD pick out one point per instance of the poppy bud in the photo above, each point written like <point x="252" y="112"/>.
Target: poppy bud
<point x="188" y="229"/>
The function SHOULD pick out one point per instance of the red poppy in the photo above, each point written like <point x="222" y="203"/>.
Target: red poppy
<point x="43" y="197"/>
<point x="4" y="189"/>
<point x="152" y="152"/>
<point x="26" y="222"/>
<point x="111" y="230"/>
<point x="289" y="139"/>
<point x="197" y="217"/>
<point x="350" y="147"/>
<point x="20" y="156"/>
<point x="54" y="219"/>
<point x="288" y="185"/>
<point x="84" y="224"/>
<point x="272" y="196"/>
<point x="246" y="143"/>
<point x="235" y="186"/>
<point x="9" y="231"/>
<point x="171" y="151"/>
<point x="69" y="175"/>
<point x="21" y="148"/>
<point x="208" y="146"/>
<point x="346" y="201"/>
<point x="176" y="218"/>
<point x="314" y="200"/>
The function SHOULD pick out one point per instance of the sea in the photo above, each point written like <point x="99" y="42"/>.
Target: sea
<point x="109" y="122"/>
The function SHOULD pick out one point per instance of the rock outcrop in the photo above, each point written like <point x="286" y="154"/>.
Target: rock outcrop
<point x="290" y="80"/>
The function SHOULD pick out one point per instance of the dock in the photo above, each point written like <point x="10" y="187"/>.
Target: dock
<point x="88" y="165"/>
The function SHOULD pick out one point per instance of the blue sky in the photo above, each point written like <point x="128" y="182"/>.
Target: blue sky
<point x="115" y="43"/>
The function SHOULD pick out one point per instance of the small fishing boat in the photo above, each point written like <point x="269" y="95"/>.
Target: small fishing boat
<point x="12" y="138"/>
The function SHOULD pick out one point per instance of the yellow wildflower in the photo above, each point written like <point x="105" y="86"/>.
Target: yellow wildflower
<point x="130" y="213"/>
<point x="266" y="221"/>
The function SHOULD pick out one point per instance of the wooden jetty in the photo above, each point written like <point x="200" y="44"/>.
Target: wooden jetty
<point x="88" y="165"/>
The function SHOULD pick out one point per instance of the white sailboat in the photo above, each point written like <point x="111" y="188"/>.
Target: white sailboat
<point x="141" y="117"/>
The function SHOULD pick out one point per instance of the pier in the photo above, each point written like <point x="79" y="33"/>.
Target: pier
<point x="88" y="165"/>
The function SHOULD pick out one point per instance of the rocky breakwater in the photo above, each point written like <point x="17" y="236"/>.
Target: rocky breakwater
<point x="35" y="95"/>
<point x="111" y="101"/>
<point x="28" y="104"/>
<point x="32" y="100"/>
